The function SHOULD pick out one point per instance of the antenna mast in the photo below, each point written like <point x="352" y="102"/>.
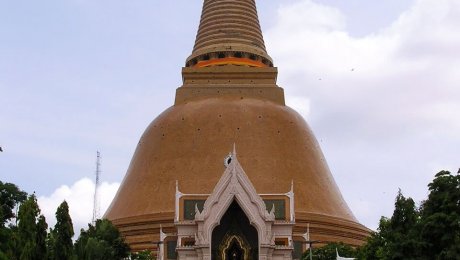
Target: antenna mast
<point x="96" y="189"/>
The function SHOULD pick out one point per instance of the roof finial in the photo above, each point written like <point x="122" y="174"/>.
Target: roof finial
<point x="162" y="234"/>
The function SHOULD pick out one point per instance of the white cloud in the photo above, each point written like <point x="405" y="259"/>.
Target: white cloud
<point x="79" y="196"/>
<point x="385" y="104"/>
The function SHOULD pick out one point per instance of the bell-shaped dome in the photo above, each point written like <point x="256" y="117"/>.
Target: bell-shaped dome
<point x="189" y="142"/>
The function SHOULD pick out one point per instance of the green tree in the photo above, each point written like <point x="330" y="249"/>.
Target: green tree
<point x="402" y="236"/>
<point x="42" y="233"/>
<point x="375" y="248"/>
<point x="3" y="256"/>
<point x="27" y="227"/>
<point x="63" y="233"/>
<point x="10" y="247"/>
<point x="31" y="231"/>
<point x="10" y="197"/>
<point x="440" y="218"/>
<point x="396" y="237"/>
<point x="328" y="252"/>
<point x="50" y="242"/>
<point x="101" y="241"/>
<point x="431" y="232"/>
<point x="143" y="255"/>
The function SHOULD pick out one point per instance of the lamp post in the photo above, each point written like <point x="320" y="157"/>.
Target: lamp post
<point x="310" y="244"/>
<point x="158" y="243"/>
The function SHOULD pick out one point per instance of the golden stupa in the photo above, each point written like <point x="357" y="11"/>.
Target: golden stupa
<point x="229" y="96"/>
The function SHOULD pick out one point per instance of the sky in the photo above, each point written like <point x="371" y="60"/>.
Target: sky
<point x="377" y="81"/>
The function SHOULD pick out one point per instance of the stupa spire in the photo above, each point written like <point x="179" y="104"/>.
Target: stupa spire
<point x="229" y="33"/>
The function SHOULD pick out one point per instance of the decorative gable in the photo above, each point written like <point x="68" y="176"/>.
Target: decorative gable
<point x="234" y="186"/>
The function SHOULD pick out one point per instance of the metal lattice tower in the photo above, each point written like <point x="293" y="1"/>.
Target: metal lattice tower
<point x="96" y="206"/>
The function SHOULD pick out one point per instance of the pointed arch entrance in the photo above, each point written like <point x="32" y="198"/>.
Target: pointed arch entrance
<point x="235" y="238"/>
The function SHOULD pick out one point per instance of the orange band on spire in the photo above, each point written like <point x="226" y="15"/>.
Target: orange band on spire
<point x="228" y="61"/>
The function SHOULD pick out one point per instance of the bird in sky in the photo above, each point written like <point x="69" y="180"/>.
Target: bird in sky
<point x="1" y="149"/>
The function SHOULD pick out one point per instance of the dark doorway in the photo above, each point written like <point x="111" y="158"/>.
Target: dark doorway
<point x="235" y="238"/>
